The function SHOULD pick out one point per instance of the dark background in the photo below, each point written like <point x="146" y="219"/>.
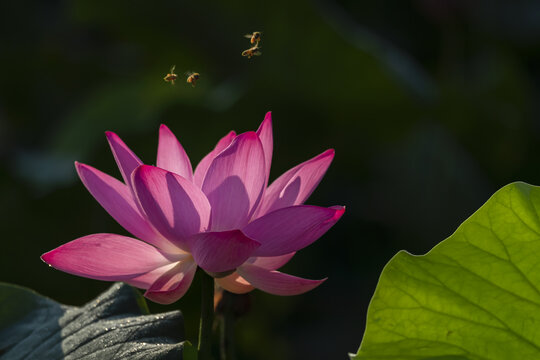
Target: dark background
<point x="431" y="107"/>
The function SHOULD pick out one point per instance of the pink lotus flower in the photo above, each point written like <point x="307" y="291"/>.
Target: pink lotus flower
<point x="222" y="218"/>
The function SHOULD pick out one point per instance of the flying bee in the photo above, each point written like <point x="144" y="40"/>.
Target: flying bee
<point x="255" y="37"/>
<point x="171" y="76"/>
<point x="192" y="77"/>
<point x="252" y="51"/>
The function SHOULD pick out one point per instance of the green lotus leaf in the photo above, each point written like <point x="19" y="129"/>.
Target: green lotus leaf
<point x="476" y="295"/>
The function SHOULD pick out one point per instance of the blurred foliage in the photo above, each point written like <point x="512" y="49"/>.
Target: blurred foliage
<point x="431" y="106"/>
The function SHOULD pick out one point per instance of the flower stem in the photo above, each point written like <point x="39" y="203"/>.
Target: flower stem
<point x="227" y="332"/>
<point x="207" y="317"/>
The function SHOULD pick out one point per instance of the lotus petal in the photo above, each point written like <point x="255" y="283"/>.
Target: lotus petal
<point x="108" y="257"/>
<point x="265" y="135"/>
<point x="297" y="184"/>
<point x="171" y="155"/>
<point x="174" y="205"/>
<point x="117" y="199"/>
<point x="275" y="282"/>
<point x="270" y="262"/>
<point x="126" y="159"/>
<point x="235" y="283"/>
<point x="202" y="167"/>
<point x="173" y="284"/>
<point x="145" y="280"/>
<point x="234" y="182"/>
<point x="221" y="251"/>
<point x="291" y="229"/>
